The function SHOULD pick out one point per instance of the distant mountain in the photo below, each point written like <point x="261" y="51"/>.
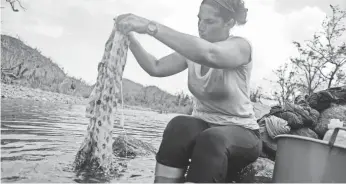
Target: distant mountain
<point x="130" y="87"/>
<point x="23" y="65"/>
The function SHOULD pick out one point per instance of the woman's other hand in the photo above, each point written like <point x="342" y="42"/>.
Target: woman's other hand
<point x="130" y="22"/>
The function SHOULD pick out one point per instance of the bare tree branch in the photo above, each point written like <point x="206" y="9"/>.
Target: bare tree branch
<point x="12" y="3"/>
<point x="20" y="4"/>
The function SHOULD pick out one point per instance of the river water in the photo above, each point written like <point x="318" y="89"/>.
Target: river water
<point x="40" y="139"/>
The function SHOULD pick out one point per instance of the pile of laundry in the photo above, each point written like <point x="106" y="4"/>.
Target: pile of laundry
<point x="308" y="116"/>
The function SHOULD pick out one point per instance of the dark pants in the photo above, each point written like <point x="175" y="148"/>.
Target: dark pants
<point x="216" y="152"/>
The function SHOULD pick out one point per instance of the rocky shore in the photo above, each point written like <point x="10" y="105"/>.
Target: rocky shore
<point x="259" y="171"/>
<point x="9" y="91"/>
<point x="21" y="92"/>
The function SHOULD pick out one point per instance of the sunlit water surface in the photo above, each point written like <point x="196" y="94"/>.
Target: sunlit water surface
<point x="39" y="141"/>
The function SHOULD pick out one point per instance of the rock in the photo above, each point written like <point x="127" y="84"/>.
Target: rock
<point x="323" y="99"/>
<point x="131" y="147"/>
<point x="334" y="112"/>
<point x="261" y="171"/>
<point x="3" y="96"/>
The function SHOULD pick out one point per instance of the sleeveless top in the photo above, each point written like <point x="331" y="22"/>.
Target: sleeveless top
<point x="222" y="96"/>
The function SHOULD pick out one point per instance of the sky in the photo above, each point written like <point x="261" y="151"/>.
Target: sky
<point x="73" y="32"/>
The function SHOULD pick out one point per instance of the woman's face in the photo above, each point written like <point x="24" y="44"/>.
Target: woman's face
<point x="211" y="26"/>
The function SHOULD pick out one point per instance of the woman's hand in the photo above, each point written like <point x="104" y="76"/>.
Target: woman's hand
<point x="130" y="22"/>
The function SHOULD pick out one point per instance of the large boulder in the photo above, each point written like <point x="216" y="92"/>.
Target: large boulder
<point x="261" y="171"/>
<point x="323" y="99"/>
<point x="333" y="112"/>
<point x="130" y="147"/>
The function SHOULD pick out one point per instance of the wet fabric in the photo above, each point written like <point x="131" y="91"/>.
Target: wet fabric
<point x="293" y="119"/>
<point x="301" y="100"/>
<point x="303" y="112"/>
<point x="306" y="132"/>
<point x="269" y="145"/>
<point x="276" y="126"/>
<point x="315" y="115"/>
<point x="96" y="148"/>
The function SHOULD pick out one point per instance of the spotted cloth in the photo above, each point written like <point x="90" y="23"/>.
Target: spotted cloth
<point x="96" y="148"/>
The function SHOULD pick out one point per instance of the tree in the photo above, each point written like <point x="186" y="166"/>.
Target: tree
<point x="256" y="95"/>
<point x="308" y="69"/>
<point x="329" y="47"/>
<point x="13" y="6"/>
<point x="288" y="85"/>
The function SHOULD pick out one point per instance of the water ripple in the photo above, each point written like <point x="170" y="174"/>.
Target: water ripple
<point x="39" y="140"/>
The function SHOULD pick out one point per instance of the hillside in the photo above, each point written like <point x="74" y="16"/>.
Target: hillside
<point x="25" y="66"/>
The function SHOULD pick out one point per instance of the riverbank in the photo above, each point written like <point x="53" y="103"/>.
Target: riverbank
<point x="20" y="92"/>
<point x="145" y="126"/>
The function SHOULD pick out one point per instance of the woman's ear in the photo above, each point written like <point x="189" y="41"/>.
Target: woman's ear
<point x="230" y="23"/>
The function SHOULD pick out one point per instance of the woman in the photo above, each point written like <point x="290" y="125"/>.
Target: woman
<point x="222" y="135"/>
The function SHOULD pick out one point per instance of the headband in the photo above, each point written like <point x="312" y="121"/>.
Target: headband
<point x="225" y="4"/>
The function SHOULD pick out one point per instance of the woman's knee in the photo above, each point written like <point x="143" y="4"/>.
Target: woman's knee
<point x="184" y="126"/>
<point x="178" y="140"/>
<point x="209" y="161"/>
<point x="175" y="124"/>
<point x="212" y="139"/>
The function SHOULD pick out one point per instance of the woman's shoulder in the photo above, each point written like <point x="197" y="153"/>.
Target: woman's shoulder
<point x="243" y="38"/>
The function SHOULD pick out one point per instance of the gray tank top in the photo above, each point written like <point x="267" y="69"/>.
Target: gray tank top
<point x="222" y="96"/>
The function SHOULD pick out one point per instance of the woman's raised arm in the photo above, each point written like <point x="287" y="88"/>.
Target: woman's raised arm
<point x="166" y="66"/>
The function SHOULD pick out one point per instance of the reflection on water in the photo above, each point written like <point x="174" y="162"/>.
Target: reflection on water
<point x="39" y="140"/>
